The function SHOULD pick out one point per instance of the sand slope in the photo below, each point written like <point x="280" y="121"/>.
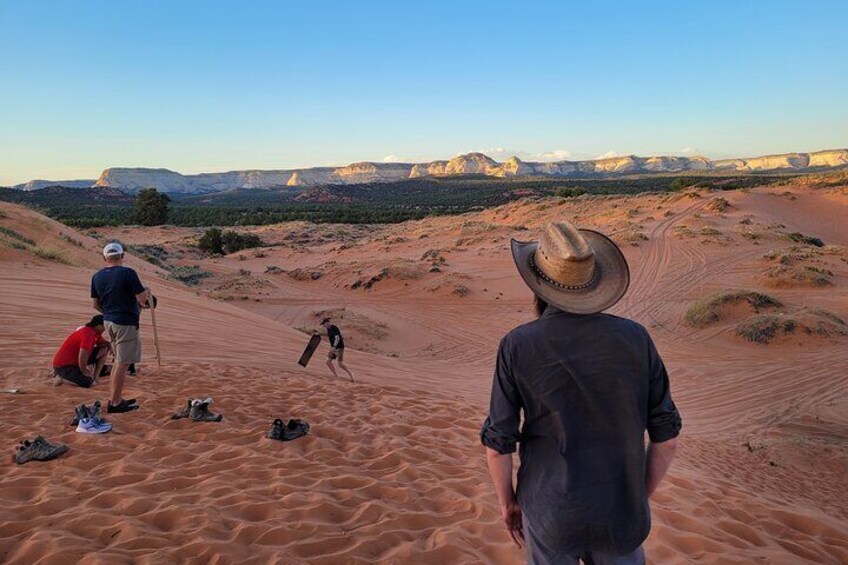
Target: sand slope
<point x="393" y="471"/>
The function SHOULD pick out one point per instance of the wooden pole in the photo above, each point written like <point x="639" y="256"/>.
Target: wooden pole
<point x="155" y="332"/>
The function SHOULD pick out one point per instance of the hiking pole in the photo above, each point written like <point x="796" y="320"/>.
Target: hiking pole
<point x="152" y="303"/>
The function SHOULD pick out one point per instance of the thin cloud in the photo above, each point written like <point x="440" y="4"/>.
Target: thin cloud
<point x="609" y="155"/>
<point x="391" y="159"/>
<point x="502" y="154"/>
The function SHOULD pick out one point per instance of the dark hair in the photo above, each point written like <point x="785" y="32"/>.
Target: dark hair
<point x="95" y="321"/>
<point x="325" y="321"/>
<point x="539" y="306"/>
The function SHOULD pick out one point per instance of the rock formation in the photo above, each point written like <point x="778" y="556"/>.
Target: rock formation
<point x="133" y="179"/>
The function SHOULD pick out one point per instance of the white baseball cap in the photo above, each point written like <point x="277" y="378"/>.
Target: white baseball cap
<point x="113" y="250"/>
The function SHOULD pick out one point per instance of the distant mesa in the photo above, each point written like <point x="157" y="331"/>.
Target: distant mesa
<point x="38" y="184"/>
<point x="133" y="179"/>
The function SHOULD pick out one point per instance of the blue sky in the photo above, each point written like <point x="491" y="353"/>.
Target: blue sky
<point x="212" y="86"/>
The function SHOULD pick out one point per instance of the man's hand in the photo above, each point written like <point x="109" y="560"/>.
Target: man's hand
<point x="500" y="468"/>
<point x="512" y="520"/>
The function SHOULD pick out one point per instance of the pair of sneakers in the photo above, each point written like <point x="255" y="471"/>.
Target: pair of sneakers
<point x="287" y="431"/>
<point x="197" y="409"/>
<point x="39" y="449"/>
<point x="88" y="420"/>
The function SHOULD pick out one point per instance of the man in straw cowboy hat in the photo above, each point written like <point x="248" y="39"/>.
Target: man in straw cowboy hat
<point x="589" y="385"/>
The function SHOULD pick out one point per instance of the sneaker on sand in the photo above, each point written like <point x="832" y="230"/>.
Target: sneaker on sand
<point x="80" y="413"/>
<point x="38" y="449"/>
<point x="276" y="431"/>
<point x="93" y="426"/>
<point x="122" y="406"/>
<point x="200" y="411"/>
<point x="292" y="429"/>
<point x="94" y="411"/>
<point x="182" y="412"/>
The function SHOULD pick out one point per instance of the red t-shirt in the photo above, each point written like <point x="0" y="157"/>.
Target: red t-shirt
<point x="83" y="338"/>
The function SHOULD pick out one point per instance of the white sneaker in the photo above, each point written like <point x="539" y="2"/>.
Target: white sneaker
<point x="93" y="426"/>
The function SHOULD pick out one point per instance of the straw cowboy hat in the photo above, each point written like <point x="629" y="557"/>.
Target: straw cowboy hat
<point x="576" y="270"/>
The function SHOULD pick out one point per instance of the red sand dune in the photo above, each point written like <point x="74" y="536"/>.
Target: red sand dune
<point x="393" y="471"/>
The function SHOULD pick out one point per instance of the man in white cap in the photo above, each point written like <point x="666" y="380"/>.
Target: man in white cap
<point x="589" y="386"/>
<point x="117" y="292"/>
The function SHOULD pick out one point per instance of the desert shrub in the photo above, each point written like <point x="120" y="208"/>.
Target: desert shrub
<point x="212" y="241"/>
<point x="72" y="241"/>
<point x="807" y="275"/>
<point x="569" y="192"/>
<point x="680" y="183"/>
<point x="705" y="311"/>
<point x="461" y="290"/>
<point x="709" y="231"/>
<point x="3" y="215"/>
<point x="154" y="254"/>
<point x="220" y="242"/>
<point x="15" y="235"/>
<point x="234" y="241"/>
<point x="190" y="275"/>
<point x="50" y="254"/>
<point x="718" y="205"/>
<point x="799" y="237"/>
<point x="764" y="328"/>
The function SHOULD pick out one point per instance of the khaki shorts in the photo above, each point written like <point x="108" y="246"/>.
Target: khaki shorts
<point x="126" y="342"/>
<point x="337" y="354"/>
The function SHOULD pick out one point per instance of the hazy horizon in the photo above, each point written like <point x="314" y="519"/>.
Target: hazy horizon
<point x="218" y="86"/>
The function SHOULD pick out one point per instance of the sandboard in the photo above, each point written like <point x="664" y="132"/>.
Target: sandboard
<point x="314" y="341"/>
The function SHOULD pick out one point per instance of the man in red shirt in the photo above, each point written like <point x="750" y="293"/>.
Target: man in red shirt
<point x="82" y="349"/>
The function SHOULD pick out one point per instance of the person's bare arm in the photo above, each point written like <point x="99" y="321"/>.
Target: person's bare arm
<point x="659" y="460"/>
<point x="97" y="305"/>
<point x="143" y="298"/>
<point x="500" y="468"/>
<point x="82" y="361"/>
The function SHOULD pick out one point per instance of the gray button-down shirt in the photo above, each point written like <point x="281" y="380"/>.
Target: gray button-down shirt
<point x="589" y="387"/>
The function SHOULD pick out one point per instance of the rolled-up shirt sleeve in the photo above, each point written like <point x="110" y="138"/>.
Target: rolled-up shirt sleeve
<point x="664" y="420"/>
<point x="501" y="429"/>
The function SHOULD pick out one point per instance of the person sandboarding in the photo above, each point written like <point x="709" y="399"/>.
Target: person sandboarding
<point x="82" y="356"/>
<point x="117" y="292"/>
<point x="337" y="348"/>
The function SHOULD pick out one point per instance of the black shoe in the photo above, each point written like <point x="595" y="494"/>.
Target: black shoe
<point x="122" y="406"/>
<point x="94" y="411"/>
<point x="80" y="413"/>
<point x="276" y="431"/>
<point x="292" y="429"/>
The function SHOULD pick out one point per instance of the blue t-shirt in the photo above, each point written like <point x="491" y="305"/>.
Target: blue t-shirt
<point x="117" y="287"/>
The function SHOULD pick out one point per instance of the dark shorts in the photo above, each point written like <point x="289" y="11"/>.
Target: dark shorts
<point x="72" y="373"/>
<point x="336" y="354"/>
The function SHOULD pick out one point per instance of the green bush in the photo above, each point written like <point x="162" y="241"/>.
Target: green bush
<point x="567" y="192"/>
<point x="151" y="208"/>
<point x="220" y="242"/>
